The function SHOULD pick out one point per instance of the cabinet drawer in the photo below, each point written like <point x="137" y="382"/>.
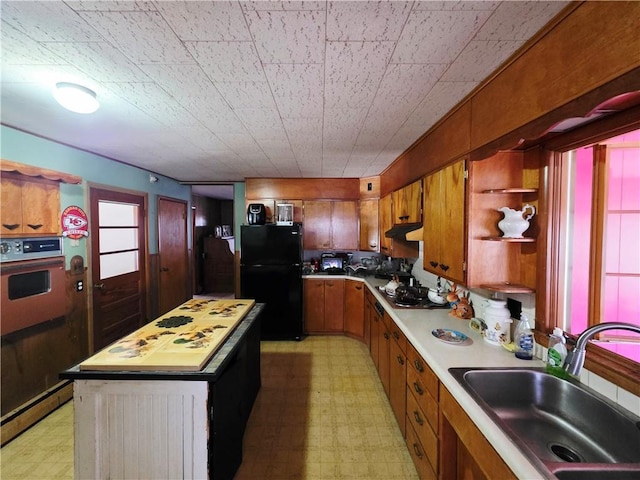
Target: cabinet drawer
<point x="421" y="371"/>
<point x="418" y="455"/>
<point x="427" y="406"/>
<point x="427" y="403"/>
<point x="398" y="336"/>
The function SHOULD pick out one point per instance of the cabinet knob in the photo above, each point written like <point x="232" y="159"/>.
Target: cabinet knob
<point x="418" y="418"/>
<point x="418" y="388"/>
<point x="386" y="336"/>
<point x="400" y="360"/>
<point x="395" y="335"/>
<point x="418" y="365"/>
<point x="444" y="267"/>
<point x="416" y="449"/>
<point x="433" y="264"/>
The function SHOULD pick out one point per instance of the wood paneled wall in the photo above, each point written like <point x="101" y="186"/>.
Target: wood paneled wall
<point x="302" y="188"/>
<point x="586" y="56"/>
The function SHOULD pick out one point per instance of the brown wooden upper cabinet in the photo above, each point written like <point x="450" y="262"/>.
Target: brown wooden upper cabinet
<point x="30" y="207"/>
<point x="407" y="203"/>
<point x="331" y="225"/>
<point x="369" y="226"/>
<point x="386" y="222"/>
<point x="444" y="222"/>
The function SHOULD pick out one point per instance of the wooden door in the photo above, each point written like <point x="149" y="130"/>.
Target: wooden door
<point x="173" y="288"/>
<point x="344" y="225"/>
<point x="118" y="253"/>
<point x="398" y="383"/>
<point x="334" y="305"/>
<point x="354" y="308"/>
<point x="369" y="226"/>
<point x="41" y="208"/>
<point x="433" y="229"/>
<point x="317" y="225"/>
<point x="452" y="254"/>
<point x="11" y="211"/>
<point x="313" y="305"/>
<point x="386" y="222"/>
<point x="384" y="346"/>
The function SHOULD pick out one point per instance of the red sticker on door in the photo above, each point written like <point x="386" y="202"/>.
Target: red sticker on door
<point x="74" y="223"/>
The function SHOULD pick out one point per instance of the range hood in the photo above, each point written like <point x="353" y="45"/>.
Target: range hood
<point x="400" y="231"/>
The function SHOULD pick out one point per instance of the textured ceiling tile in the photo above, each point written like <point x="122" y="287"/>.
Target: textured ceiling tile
<point x="47" y="21"/>
<point x="262" y="123"/>
<point x="407" y="83"/>
<point x="143" y="36"/>
<point x="246" y="94"/>
<point x="228" y="61"/>
<point x="426" y="31"/>
<point x="341" y="128"/>
<point x="242" y="144"/>
<point x="301" y="33"/>
<point x="357" y="20"/>
<point x="213" y="113"/>
<point x="455" y="5"/>
<point x="353" y="72"/>
<point x="20" y="49"/>
<point x="100" y="60"/>
<point x="205" y="20"/>
<point x="297" y="88"/>
<point x="181" y="81"/>
<point x="479" y="59"/>
<point x="110" y="5"/>
<point x="519" y="20"/>
<point x="283" y="5"/>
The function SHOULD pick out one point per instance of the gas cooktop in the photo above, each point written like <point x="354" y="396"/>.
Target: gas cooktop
<point x="424" y="304"/>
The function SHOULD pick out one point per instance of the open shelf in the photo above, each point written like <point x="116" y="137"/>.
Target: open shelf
<point x="511" y="190"/>
<point x="507" y="287"/>
<point x="509" y="239"/>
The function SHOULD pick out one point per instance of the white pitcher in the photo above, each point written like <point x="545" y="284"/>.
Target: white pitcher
<point x="498" y="320"/>
<point x="514" y="223"/>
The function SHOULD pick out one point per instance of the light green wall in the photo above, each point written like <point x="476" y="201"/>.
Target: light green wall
<point x="25" y="148"/>
<point x="239" y="211"/>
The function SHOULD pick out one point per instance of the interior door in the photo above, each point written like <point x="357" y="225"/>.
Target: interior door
<point x="174" y="281"/>
<point x="118" y="251"/>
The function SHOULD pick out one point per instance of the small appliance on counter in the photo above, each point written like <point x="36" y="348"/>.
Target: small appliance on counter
<point x="334" y="263"/>
<point x="256" y="214"/>
<point x="284" y="214"/>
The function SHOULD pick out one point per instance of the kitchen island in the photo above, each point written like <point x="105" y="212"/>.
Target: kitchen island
<point x="178" y="419"/>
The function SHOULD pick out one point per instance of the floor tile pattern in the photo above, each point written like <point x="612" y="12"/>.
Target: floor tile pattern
<point x="321" y="415"/>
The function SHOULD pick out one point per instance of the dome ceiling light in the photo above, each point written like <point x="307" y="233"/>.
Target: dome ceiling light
<point x="75" y="97"/>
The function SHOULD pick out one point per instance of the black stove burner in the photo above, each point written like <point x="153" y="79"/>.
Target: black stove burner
<point x="402" y="276"/>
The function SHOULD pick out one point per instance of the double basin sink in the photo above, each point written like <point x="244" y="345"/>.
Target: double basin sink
<point x="566" y="429"/>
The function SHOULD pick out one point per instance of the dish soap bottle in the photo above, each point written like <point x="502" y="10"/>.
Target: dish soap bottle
<point x="557" y="353"/>
<point x="524" y="339"/>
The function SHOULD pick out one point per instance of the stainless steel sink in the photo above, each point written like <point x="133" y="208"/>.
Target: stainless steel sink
<point x="566" y="428"/>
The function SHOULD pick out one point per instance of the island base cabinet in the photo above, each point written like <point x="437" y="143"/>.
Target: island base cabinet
<point x="150" y="429"/>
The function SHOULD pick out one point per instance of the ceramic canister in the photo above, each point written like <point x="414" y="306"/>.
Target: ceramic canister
<point x="498" y="319"/>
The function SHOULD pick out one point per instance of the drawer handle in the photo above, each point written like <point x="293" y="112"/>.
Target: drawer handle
<point x="35" y="226"/>
<point x="416" y="448"/>
<point x="418" y="388"/>
<point x="10" y="226"/>
<point x="419" y="420"/>
<point x="400" y="360"/>
<point x="395" y="335"/>
<point x="386" y="336"/>
<point x="358" y="287"/>
<point x="433" y="264"/>
<point x="444" y="267"/>
<point x="418" y="365"/>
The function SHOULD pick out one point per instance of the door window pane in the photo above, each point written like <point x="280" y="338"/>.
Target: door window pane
<point x="118" y="239"/>
<point x="113" y="264"/>
<point x="113" y="214"/>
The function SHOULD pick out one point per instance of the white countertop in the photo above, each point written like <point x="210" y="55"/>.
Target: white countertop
<point x="417" y="325"/>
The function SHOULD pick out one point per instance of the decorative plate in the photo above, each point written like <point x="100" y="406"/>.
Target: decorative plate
<point x="450" y="336"/>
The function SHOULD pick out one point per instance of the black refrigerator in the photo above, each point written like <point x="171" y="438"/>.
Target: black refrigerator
<point x="271" y="273"/>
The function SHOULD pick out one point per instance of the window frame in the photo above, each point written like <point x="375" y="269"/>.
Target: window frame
<point x="608" y="365"/>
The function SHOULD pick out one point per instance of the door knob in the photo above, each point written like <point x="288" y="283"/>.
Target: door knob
<point x="99" y="286"/>
<point x="164" y="269"/>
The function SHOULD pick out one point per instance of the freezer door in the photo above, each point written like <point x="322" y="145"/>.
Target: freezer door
<point x="270" y="245"/>
<point x="280" y="288"/>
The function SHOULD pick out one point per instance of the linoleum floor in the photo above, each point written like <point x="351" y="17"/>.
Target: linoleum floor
<point x="321" y="414"/>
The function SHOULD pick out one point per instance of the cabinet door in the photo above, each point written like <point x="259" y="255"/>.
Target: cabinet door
<point x="354" y="308"/>
<point x="397" y="383"/>
<point x="313" y="305"/>
<point x="369" y="226"/>
<point x="40" y="208"/>
<point x="384" y="348"/>
<point x="407" y="203"/>
<point x="11" y="211"/>
<point x="452" y="251"/>
<point x="334" y="305"/>
<point x="317" y="225"/>
<point x="386" y="222"/>
<point x="433" y="228"/>
<point x="344" y="225"/>
<point x="367" y="322"/>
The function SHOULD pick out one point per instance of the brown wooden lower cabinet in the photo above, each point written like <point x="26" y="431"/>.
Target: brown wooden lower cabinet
<point x="423" y="467"/>
<point x="354" y="308"/>
<point x="324" y="305"/>
<point x="465" y="452"/>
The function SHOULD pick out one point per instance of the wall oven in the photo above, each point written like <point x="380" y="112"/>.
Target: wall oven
<point x="32" y="282"/>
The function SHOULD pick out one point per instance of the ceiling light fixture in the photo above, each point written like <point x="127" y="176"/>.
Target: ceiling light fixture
<point x="75" y="97"/>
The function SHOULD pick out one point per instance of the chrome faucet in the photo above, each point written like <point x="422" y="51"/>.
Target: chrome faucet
<point x="575" y="359"/>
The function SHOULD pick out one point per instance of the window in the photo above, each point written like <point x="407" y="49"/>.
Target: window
<point x="119" y="243"/>
<point x="599" y="248"/>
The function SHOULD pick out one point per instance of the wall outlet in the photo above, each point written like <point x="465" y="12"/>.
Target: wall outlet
<point x="79" y="286"/>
